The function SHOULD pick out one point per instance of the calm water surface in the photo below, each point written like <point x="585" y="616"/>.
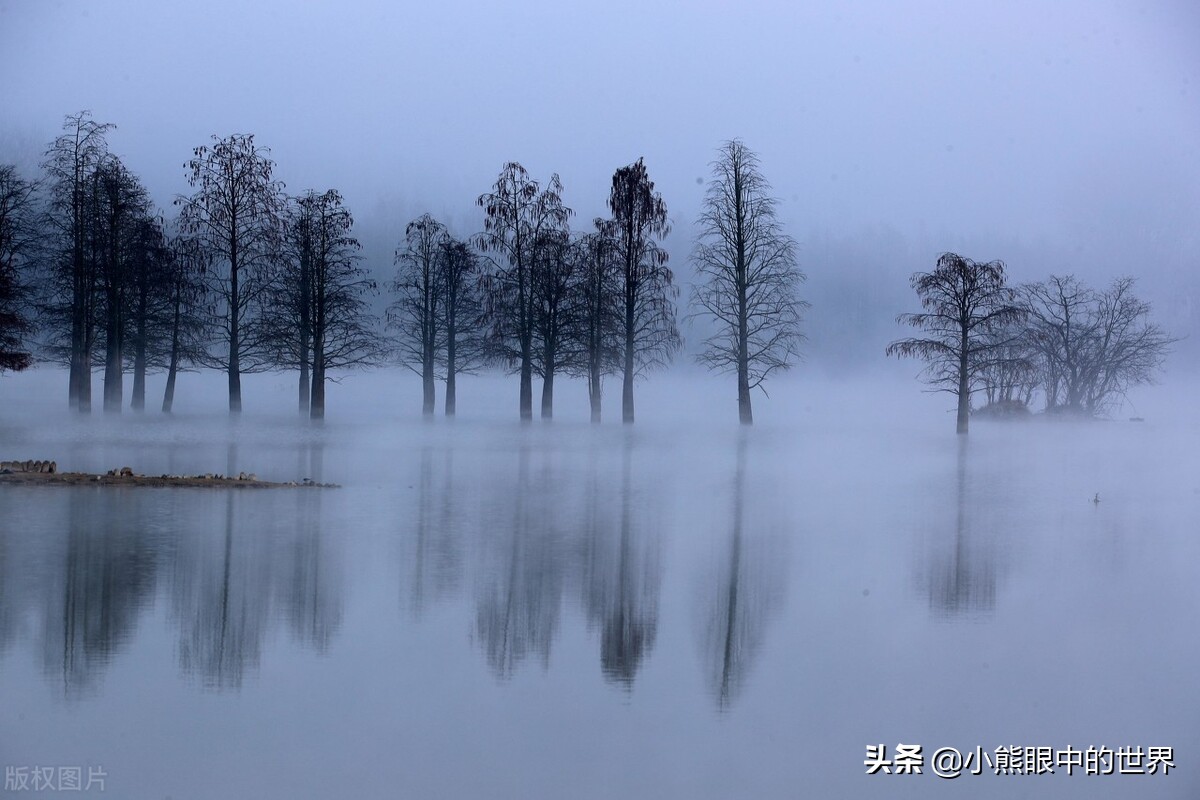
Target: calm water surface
<point x="486" y="610"/>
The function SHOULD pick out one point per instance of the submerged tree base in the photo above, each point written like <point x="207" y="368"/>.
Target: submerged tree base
<point x="125" y="476"/>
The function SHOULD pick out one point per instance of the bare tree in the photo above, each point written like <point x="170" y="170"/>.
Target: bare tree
<point x="150" y="288"/>
<point x="461" y="310"/>
<point x="69" y="310"/>
<point x="965" y="302"/>
<point x="749" y="279"/>
<point x="518" y="215"/>
<point x="554" y="301"/>
<point x="18" y="239"/>
<point x="1058" y="329"/>
<point x="1091" y="346"/>
<point x="417" y="313"/>
<point x="295" y="337"/>
<point x="651" y="336"/>
<point x="598" y="321"/>
<point x="236" y="211"/>
<point x="343" y="331"/>
<point x="184" y="318"/>
<point x="1010" y="377"/>
<point x="120" y="207"/>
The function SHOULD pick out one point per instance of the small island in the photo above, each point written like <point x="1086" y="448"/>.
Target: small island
<point x="45" y="473"/>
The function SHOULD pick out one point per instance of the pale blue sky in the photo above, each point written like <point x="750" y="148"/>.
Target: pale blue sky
<point x="1070" y="124"/>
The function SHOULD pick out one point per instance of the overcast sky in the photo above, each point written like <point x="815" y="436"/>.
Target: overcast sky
<point x="1076" y="124"/>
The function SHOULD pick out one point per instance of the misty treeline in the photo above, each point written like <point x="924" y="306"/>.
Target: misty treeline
<point x="244" y="277"/>
<point x="1077" y="348"/>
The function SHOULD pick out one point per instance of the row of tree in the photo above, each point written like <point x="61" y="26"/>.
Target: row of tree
<point x="1078" y="348"/>
<point x="244" y="278"/>
<point x="247" y="278"/>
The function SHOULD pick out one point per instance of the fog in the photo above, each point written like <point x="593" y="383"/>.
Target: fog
<point x="1061" y="139"/>
<point x="672" y="608"/>
<point x="679" y="607"/>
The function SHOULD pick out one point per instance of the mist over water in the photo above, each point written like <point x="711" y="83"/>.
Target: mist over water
<point x="680" y="608"/>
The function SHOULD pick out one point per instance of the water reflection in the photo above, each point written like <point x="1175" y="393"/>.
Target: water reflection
<point x="313" y="593"/>
<point x="962" y="567"/>
<point x="105" y="578"/>
<point x="434" y="565"/>
<point x="519" y="592"/>
<point x="622" y="571"/>
<point x="86" y="565"/>
<point x="220" y="599"/>
<point x="740" y="593"/>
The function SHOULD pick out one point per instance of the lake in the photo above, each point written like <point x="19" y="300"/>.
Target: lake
<point x="677" y="609"/>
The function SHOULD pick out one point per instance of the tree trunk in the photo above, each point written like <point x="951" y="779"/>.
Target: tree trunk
<point x="548" y="394"/>
<point x="317" y="406"/>
<point x="169" y="394"/>
<point x="594" y="390"/>
<point x="78" y="304"/>
<point x="451" y="366"/>
<point x="627" y="383"/>
<point x="316" y="409"/>
<point x="113" y="368"/>
<point x="85" y="384"/>
<point x="138" y="403"/>
<point x="113" y="389"/>
<point x="526" y="380"/>
<point x="745" y="414"/>
<point x="964" y="393"/>
<point x="305" y="322"/>
<point x="305" y="386"/>
<point x="235" y="373"/>
<point x="427" y="384"/>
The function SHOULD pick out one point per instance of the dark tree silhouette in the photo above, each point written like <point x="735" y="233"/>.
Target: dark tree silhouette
<point x="236" y="211"/>
<point x="598" y="321"/>
<point x="1010" y="377"/>
<point x="120" y="208"/>
<point x="650" y="335"/>
<point x="417" y="312"/>
<point x="748" y="277"/>
<point x="965" y="303"/>
<point x="18" y="239"/>
<point x="183" y="318"/>
<point x="461" y="310"/>
<point x="150" y="288"/>
<point x="295" y="338"/>
<point x="1090" y="346"/>
<point x="554" y="297"/>
<point x="344" y="333"/>
<point x="518" y="216"/>
<point x="70" y="286"/>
